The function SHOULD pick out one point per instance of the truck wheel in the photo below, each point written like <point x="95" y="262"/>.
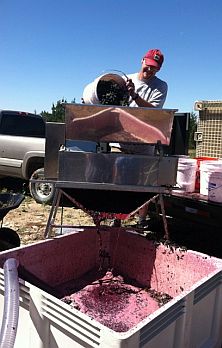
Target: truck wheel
<point x="42" y="192"/>
<point x="8" y="239"/>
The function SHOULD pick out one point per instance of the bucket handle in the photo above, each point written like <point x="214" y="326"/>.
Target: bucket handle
<point x="119" y="71"/>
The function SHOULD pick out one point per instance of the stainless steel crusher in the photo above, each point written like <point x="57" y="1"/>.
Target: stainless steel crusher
<point x="82" y="160"/>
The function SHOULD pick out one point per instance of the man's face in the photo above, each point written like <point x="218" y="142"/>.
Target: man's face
<point x="147" y="71"/>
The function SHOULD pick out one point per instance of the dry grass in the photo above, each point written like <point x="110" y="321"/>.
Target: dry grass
<point x="29" y="219"/>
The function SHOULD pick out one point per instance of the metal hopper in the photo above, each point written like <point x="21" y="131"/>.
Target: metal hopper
<point x="81" y="160"/>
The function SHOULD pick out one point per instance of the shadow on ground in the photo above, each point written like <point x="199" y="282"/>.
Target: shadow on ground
<point x="14" y="185"/>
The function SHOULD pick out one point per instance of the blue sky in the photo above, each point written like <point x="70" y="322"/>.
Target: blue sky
<point x="52" y="49"/>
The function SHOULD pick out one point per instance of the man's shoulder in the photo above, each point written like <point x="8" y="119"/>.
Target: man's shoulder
<point x="155" y="81"/>
<point x="160" y="83"/>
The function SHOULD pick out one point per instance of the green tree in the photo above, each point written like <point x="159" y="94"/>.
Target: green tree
<point x="192" y="129"/>
<point x="46" y="115"/>
<point x="58" y="111"/>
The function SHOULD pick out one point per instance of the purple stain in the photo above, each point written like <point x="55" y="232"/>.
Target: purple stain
<point x="114" y="303"/>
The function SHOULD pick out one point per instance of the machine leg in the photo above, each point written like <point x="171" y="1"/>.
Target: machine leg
<point x="166" y="235"/>
<point x="52" y="214"/>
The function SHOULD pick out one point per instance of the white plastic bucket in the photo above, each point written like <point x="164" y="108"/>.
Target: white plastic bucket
<point x="207" y="168"/>
<point x="215" y="187"/>
<point x="90" y="91"/>
<point x="186" y="174"/>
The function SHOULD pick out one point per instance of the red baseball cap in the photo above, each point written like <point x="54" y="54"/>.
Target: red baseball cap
<point x="154" y="58"/>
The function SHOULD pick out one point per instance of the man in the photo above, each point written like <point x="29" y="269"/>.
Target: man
<point x="146" y="90"/>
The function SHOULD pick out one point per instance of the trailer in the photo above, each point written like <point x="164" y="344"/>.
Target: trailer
<point x="195" y="206"/>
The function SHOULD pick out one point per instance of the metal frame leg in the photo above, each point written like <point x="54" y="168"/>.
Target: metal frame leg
<point x="165" y="225"/>
<point x="52" y="214"/>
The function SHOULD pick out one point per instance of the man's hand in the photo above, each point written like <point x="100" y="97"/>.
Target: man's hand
<point x="135" y="96"/>
<point x="130" y="87"/>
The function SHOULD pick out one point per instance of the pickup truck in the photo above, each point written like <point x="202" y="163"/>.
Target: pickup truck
<point x="22" y="151"/>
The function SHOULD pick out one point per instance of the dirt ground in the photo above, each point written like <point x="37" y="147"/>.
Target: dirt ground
<point x="29" y="219"/>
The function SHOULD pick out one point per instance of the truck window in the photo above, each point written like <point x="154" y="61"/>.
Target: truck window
<point x="22" y="125"/>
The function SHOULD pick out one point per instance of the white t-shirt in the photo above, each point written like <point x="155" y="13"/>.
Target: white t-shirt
<point x="153" y="91"/>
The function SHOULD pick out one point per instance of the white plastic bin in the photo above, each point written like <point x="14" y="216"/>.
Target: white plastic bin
<point x="215" y="187"/>
<point x="207" y="168"/>
<point x="186" y="174"/>
<point x="193" y="318"/>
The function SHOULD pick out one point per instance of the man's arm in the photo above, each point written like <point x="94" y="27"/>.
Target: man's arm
<point x="141" y="102"/>
<point x="157" y="100"/>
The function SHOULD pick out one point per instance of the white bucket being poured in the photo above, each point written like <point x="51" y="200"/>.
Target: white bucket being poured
<point x="211" y="176"/>
<point x="186" y="174"/>
<point x="90" y="95"/>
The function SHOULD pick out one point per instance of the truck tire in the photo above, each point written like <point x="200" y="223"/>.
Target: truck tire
<point x="42" y="192"/>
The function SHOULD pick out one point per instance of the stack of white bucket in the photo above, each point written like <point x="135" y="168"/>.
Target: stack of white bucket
<point x="211" y="180"/>
<point x="210" y="177"/>
<point x="186" y="174"/>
